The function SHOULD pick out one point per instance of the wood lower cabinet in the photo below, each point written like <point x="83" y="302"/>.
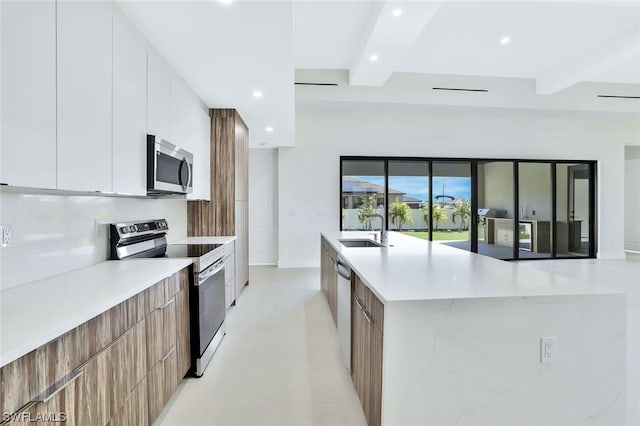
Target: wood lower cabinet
<point x="134" y="411"/>
<point x="329" y="277"/>
<point x="367" y="316"/>
<point x="119" y="368"/>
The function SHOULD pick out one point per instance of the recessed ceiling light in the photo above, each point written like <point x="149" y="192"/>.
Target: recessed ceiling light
<point x="505" y="40"/>
<point x="257" y="94"/>
<point x="396" y="12"/>
<point x="373" y="58"/>
<point x="225" y="1"/>
<point x="269" y="129"/>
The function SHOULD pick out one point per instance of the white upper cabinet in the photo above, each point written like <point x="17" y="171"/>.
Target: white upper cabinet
<point x="181" y="109"/>
<point x="158" y="96"/>
<point x="129" y="109"/>
<point x="84" y="95"/>
<point x="201" y="147"/>
<point x="28" y="70"/>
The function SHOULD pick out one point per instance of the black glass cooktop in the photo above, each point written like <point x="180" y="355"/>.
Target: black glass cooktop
<point x="190" y="250"/>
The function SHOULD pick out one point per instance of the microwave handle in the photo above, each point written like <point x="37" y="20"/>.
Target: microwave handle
<point x="190" y="173"/>
<point x="185" y="185"/>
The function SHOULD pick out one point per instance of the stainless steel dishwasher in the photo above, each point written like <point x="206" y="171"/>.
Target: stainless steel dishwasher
<point x="344" y="309"/>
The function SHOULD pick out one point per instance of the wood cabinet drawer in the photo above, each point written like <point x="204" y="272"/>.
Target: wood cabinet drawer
<point x="172" y="286"/>
<point x="154" y="297"/>
<point x="376" y="309"/>
<point x="18" y="383"/>
<point x="360" y="290"/>
<point x="134" y="411"/>
<point x="161" y="382"/>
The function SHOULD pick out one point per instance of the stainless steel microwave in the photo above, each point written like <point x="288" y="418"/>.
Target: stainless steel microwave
<point x="169" y="168"/>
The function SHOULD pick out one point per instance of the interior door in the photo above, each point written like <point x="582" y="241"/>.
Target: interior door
<point x="578" y="209"/>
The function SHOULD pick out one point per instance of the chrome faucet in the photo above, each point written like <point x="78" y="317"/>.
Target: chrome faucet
<point x="383" y="231"/>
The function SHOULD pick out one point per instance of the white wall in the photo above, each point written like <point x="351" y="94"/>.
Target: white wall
<point x="54" y="234"/>
<point x="308" y="175"/>
<point x="632" y="198"/>
<point x="263" y="189"/>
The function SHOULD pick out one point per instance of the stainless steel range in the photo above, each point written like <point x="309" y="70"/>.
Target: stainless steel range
<point x="206" y="290"/>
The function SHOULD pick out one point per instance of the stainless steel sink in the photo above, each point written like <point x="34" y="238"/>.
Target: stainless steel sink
<point x="359" y="243"/>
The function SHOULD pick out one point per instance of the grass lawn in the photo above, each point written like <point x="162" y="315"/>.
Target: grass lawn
<point x="439" y="235"/>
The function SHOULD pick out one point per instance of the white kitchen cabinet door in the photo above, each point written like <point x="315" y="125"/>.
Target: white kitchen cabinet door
<point x="129" y="109"/>
<point x="158" y="96"/>
<point x="28" y="70"/>
<point x="200" y="125"/>
<point x="181" y="110"/>
<point x="84" y="95"/>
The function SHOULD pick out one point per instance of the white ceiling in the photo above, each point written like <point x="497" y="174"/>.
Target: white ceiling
<point x="567" y="50"/>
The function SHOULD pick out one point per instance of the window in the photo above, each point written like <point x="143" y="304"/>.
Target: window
<point x="507" y="209"/>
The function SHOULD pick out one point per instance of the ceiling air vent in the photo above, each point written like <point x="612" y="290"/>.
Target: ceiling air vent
<point x="316" y="84"/>
<point x="453" y="89"/>
<point x="619" y="97"/>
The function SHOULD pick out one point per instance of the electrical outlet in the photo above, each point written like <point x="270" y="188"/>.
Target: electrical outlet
<point x="548" y="349"/>
<point x="533" y="212"/>
<point x="100" y="227"/>
<point x="6" y="234"/>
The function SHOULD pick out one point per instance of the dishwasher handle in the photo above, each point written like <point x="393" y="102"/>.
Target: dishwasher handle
<point x="343" y="270"/>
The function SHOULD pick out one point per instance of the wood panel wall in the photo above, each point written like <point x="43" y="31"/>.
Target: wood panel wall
<point x="217" y="217"/>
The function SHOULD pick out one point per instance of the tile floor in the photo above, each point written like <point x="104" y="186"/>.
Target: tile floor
<point x="279" y="363"/>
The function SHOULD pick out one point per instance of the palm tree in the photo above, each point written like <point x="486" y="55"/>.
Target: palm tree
<point x="463" y="211"/>
<point x="439" y="215"/>
<point x="367" y="208"/>
<point x="426" y="213"/>
<point x="400" y="213"/>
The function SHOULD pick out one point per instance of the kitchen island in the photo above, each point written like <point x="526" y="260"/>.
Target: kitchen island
<point x="459" y="339"/>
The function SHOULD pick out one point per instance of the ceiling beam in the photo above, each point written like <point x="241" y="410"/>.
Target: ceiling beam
<point x="589" y="66"/>
<point x="389" y="37"/>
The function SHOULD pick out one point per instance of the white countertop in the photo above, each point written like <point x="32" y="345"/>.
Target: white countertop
<point x="414" y="269"/>
<point x="36" y="313"/>
<point x="205" y="240"/>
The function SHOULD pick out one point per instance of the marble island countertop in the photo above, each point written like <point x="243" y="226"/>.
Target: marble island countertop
<point x="415" y="269"/>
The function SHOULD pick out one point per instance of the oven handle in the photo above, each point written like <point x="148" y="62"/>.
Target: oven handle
<point x="214" y="269"/>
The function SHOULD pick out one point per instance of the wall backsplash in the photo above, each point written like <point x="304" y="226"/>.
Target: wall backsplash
<point x="53" y="234"/>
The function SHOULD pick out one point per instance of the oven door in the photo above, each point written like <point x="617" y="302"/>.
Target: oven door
<point x="209" y="287"/>
<point x="169" y="168"/>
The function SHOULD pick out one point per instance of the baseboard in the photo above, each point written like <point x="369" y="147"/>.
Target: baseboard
<point x="611" y="256"/>
<point x="264" y="264"/>
<point x="289" y="264"/>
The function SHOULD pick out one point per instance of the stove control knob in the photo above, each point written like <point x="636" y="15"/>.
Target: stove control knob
<point x="124" y="229"/>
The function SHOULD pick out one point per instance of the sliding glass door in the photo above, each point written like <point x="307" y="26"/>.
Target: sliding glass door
<point x="451" y="211"/>
<point x="575" y="210"/>
<point x="409" y="197"/>
<point x="496" y="213"/>
<point x="534" y="210"/>
<point x="506" y="209"/>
